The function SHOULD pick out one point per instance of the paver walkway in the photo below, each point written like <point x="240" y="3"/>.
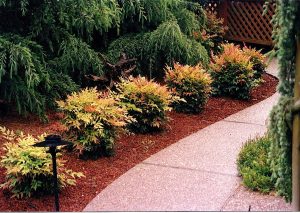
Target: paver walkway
<point x="198" y="173"/>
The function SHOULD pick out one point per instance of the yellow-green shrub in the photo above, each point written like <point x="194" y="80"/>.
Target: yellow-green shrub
<point x="191" y="84"/>
<point x="232" y="73"/>
<point x="149" y="102"/>
<point x="29" y="168"/>
<point x="257" y="59"/>
<point x="254" y="165"/>
<point x="93" y="121"/>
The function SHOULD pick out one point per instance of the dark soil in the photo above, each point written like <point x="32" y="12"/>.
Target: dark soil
<point x="130" y="150"/>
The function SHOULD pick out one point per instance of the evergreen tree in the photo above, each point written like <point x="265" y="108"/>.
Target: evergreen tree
<point x="47" y="44"/>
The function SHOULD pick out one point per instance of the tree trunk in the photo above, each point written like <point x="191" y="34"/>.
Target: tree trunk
<point x="296" y="138"/>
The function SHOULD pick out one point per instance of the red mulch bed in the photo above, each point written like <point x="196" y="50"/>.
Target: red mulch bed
<point x="130" y="150"/>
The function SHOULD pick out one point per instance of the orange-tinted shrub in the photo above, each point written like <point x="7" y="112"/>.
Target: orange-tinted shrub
<point x="191" y="84"/>
<point x="232" y="73"/>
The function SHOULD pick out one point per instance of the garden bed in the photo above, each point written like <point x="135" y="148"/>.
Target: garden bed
<point x="130" y="150"/>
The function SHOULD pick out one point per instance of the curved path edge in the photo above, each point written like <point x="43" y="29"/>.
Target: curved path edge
<point x="198" y="173"/>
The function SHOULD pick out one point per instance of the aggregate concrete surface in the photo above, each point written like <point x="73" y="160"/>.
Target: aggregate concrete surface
<point x="198" y="173"/>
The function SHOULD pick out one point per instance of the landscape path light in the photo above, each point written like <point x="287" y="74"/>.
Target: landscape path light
<point x="53" y="141"/>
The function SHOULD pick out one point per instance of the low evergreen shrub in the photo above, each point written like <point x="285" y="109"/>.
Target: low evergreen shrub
<point x="253" y="165"/>
<point x="93" y="121"/>
<point x="153" y="50"/>
<point x="61" y="86"/>
<point x="29" y="168"/>
<point x="191" y="84"/>
<point x="76" y="58"/>
<point x="168" y="44"/>
<point x="148" y="101"/>
<point x="187" y="21"/>
<point x="196" y="54"/>
<point x="133" y="45"/>
<point x="232" y="73"/>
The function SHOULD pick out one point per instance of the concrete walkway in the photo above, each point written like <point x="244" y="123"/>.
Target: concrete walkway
<point x="198" y="173"/>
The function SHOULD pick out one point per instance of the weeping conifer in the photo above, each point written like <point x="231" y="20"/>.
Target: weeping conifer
<point x="64" y="38"/>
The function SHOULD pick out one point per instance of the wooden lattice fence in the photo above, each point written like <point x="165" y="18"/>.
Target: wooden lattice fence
<point x="245" y="19"/>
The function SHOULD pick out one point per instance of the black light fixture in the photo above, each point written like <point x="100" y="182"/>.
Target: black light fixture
<point x="53" y="141"/>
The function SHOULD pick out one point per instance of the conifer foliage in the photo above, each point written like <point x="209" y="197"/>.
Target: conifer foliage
<point x="286" y="27"/>
<point x="46" y="44"/>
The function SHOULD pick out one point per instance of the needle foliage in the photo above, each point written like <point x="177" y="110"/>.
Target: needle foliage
<point x="286" y="29"/>
<point x="47" y="45"/>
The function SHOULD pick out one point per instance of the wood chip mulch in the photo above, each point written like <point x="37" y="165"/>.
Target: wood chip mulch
<point x="130" y="150"/>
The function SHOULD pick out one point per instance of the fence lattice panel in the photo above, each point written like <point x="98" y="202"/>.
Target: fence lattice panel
<point x="245" y="20"/>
